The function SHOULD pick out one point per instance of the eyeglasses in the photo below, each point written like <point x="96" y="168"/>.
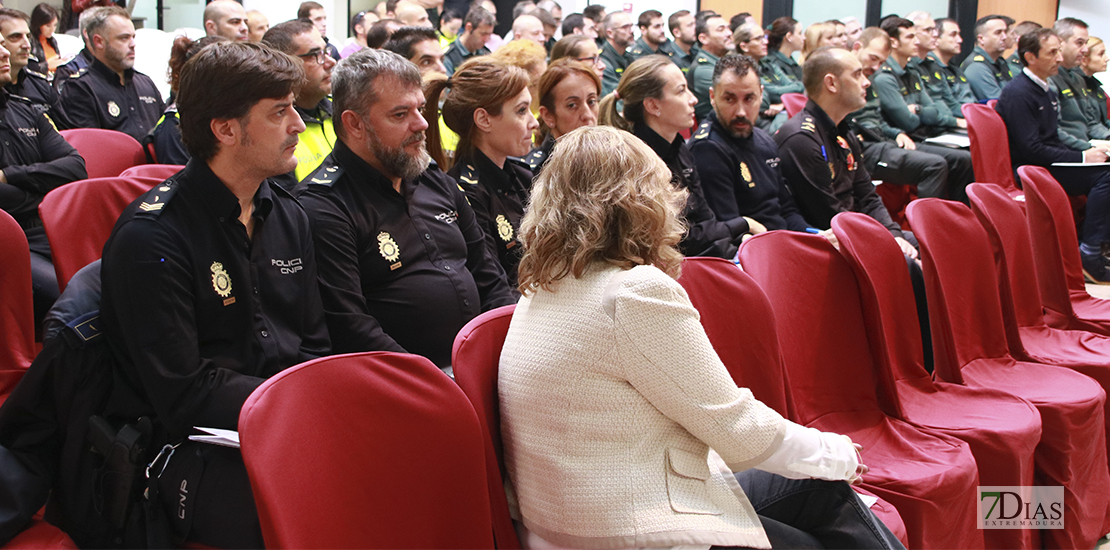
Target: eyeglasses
<point x="320" y="56"/>
<point x="588" y="60"/>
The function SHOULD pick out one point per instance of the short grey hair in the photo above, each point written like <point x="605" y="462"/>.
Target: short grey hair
<point x="352" y="81"/>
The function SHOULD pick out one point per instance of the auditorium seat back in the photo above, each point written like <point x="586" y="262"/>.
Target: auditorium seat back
<point x="990" y="147"/>
<point x="107" y="153"/>
<point x="17" y="322"/>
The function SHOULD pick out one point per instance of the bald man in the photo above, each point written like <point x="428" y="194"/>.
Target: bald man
<point x="257" y="25"/>
<point x="528" y="27"/>
<point x="226" y="18"/>
<point x="412" y="14"/>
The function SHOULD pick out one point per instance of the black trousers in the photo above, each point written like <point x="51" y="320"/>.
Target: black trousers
<point x="207" y="497"/>
<point x="1093" y="181"/>
<point x="938" y="172"/>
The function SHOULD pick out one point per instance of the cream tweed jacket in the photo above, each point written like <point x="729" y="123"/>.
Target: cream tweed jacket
<point x="611" y="400"/>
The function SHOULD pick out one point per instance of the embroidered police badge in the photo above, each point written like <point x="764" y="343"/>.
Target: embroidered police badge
<point x="504" y="228"/>
<point x="221" y="282"/>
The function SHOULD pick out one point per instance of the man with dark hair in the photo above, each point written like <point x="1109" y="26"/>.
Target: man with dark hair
<point x="314" y="13"/>
<point x="617" y="27"/>
<point x="1077" y="125"/>
<point x="1028" y="106"/>
<point x="403" y="261"/>
<point x="739" y="163"/>
<point x="907" y="107"/>
<point x="477" y="29"/>
<point x="34" y="87"/>
<point x="301" y="40"/>
<point x="420" y="45"/>
<point x="653" y="37"/>
<point x="740" y="19"/>
<point x="576" y="23"/>
<point x="683" y="27"/>
<point x="949" y="43"/>
<point x="714" y="41"/>
<point x="226" y="18"/>
<point x="986" y="70"/>
<point x="938" y="78"/>
<point x="595" y="12"/>
<point x="359" y="27"/>
<point x="209" y="287"/>
<point x="110" y="93"/>
<point x="821" y="157"/>
<point x="380" y="32"/>
<point x="1015" y="33"/>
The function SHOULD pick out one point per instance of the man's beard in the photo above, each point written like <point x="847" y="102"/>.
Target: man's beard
<point x="396" y="161"/>
<point x="739" y="133"/>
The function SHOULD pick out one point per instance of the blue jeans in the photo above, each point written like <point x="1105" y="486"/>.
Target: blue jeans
<point x="811" y="513"/>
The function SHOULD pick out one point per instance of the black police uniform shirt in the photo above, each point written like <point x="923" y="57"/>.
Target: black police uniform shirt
<point x="398" y="271"/>
<point x="166" y="137"/>
<point x="95" y="98"/>
<point x="740" y="176"/>
<point x="823" y="166"/>
<point x="64" y="73"/>
<point x="537" y="157"/>
<point x="498" y="197"/>
<point x="196" y="311"/>
<point x="705" y="234"/>
<point x="36" y="88"/>
<point x="35" y="160"/>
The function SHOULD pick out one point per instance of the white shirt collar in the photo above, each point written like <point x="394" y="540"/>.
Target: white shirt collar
<point x="1035" y="78"/>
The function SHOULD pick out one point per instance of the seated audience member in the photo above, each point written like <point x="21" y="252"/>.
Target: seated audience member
<point x="617" y="29"/>
<point x="403" y="261"/>
<point x="579" y="399"/>
<point x="576" y="23"/>
<point x="552" y="7"/>
<point x="110" y="93"/>
<point x="1011" y="42"/>
<point x="888" y="153"/>
<point x="226" y="18"/>
<point x="985" y="68"/>
<point x="83" y="59"/>
<point x="197" y="318"/>
<point x="166" y="136"/>
<point x="477" y="29"/>
<point x="657" y="106"/>
<point x="821" y="158"/>
<point x="34" y="160"/>
<point x="852" y="29"/>
<point x="904" y="100"/>
<point x="549" y="27"/>
<point x="44" y="47"/>
<point x="714" y="41"/>
<point x="926" y="65"/>
<point x="948" y="46"/>
<point x="683" y="26"/>
<point x="739" y="163"/>
<point x="450" y="23"/>
<point x="653" y="37"/>
<point x="360" y="24"/>
<point x="751" y="41"/>
<point x="816" y="36"/>
<point x="1027" y="106"/>
<point x="1077" y="124"/>
<point x="581" y="49"/>
<point x="257" y="25"/>
<point x="380" y="32"/>
<point x="420" y="45"/>
<point x="568" y="92"/>
<point x="489" y="108"/>
<point x="735" y="21"/>
<point x="314" y="13"/>
<point x="411" y="14"/>
<point x="529" y="56"/>
<point x="1094" y="63"/>
<point x="25" y="82"/>
<point x="302" y="41"/>
<point x="779" y="72"/>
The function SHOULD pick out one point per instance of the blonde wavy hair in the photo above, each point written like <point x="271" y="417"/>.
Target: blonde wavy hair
<point x="814" y="36"/>
<point x="603" y="197"/>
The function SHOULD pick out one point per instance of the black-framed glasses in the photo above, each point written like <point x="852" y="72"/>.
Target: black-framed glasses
<point x="319" y="55"/>
<point x="588" y="60"/>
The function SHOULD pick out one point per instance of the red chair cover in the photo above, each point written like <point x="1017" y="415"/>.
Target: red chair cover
<point x="370" y="450"/>
<point x="78" y="218"/>
<point x="1002" y="430"/>
<point x="990" y="152"/>
<point x="156" y="171"/>
<point x="930" y="477"/>
<point x="17" y="321"/>
<point x="1067" y="304"/>
<point x="475" y="358"/>
<point x="793" y="103"/>
<point x="107" y="153"/>
<point x="727" y="298"/>
<point x="970" y="344"/>
<point x="40" y="535"/>
<point x="896" y="198"/>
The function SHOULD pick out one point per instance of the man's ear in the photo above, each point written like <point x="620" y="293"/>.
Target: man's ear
<point x="831" y="83"/>
<point x="228" y="131"/>
<point x="352" y="124"/>
<point x="210" y="27"/>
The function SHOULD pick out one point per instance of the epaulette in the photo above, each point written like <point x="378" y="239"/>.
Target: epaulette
<point x="327" y="174"/>
<point x="469" y="175"/>
<point x="534" y="159"/>
<point x="159" y="196"/>
<point x="636" y="51"/>
<point x="37" y="74"/>
<point x="887" y="68"/>
<point x="703" y="130"/>
<point x="79" y="72"/>
<point x="521" y="162"/>
<point x="85" y="329"/>
<point x="978" y="58"/>
<point x="808" y="125"/>
<point x="21" y="99"/>
<point x="703" y="60"/>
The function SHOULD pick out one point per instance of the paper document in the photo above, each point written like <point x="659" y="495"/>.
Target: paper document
<point x="225" y="438"/>
<point x="1081" y="164"/>
<point x="950" y="140"/>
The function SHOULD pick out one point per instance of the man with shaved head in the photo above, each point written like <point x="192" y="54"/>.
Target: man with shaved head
<point x="257" y="25"/>
<point x="411" y="14"/>
<point x="226" y="18"/>
<point x="529" y="27"/>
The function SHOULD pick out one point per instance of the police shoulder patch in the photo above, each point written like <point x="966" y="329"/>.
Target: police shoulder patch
<point x="155" y="200"/>
<point x="978" y="58"/>
<point x="469" y="174"/>
<point x="534" y="159"/>
<point x="37" y="74"/>
<point x="79" y="72"/>
<point x="703" y="130"/>
<point x="327" y="174"/>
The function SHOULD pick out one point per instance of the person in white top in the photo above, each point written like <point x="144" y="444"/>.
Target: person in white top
<point x="621" y="426"/>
